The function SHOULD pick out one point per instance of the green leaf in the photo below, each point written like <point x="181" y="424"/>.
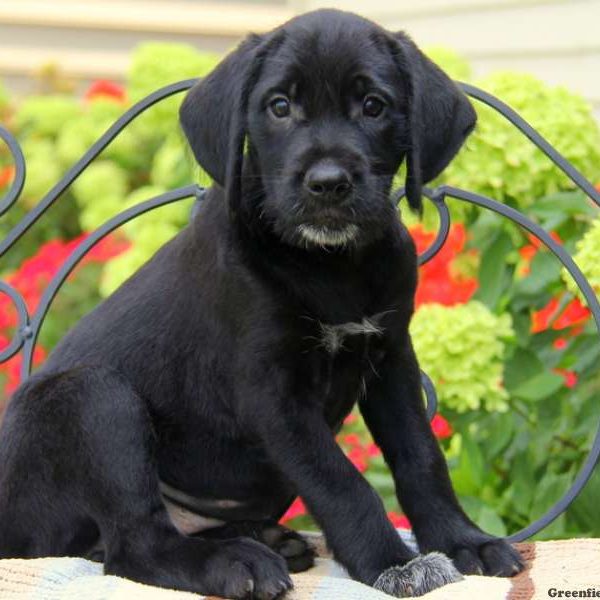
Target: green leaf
<point x="522" y="366"/>
<point x="562" y="203"/>
<point x="522" y="487"/>
<point x="521" y="324"/>
<point x="382" y="481"/>
<point x="500" y="435"/>
<point x="548" y="491"/>
<point x="490" y="522"/>
<point x="493" y="269"/>
<point x="556" y="530"/>
<point x="469" y="475"/>
<point x="545" y="270"/>
<point x="584" y="510"/>
<point x="587" y="351"/>
<point x="539" y="387"/>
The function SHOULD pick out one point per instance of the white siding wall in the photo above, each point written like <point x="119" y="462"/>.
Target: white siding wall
<point x="558" y="40"/>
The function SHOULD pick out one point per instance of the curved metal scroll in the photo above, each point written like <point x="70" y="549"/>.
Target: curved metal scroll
<point x="19" y="180"/>
<point x="438" y="195"/>
<point x="82" y="249"/>
<point x="75" y="171"/>
<point x="514" y="215"/>
<point x="29" y="326"/>
<point x="23" y="329"/>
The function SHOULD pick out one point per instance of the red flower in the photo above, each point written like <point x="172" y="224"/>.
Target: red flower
<point x="297" y="509"/>
<point x="351" y="418"/>
<point x="6" y="175"/>
<point x="438" y="282"/>
<point x="105" y="249"/>
<point x="31" y="279"/>
<point x="540" y="319"/>
<point x="373" y="450"/>
<point x="359" y="458"/>
<point x="399" y="521"/>
<point x="4" y="342"/>
<point x="441" y="428"/>
<point x="530" y="250"/>
<point x="106" y="89"/>
<point x="352" y="439"/>
<point x="574" y="314"/>
<point x="537" y="243"/>
<point x="560" y="343"/>
<point x="570" y="377"/>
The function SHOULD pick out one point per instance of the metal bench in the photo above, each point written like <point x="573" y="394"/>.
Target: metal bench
<point x="26" y="334"/>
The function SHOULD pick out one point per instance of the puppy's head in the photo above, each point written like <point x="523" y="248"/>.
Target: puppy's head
<point x="325" y="108"/>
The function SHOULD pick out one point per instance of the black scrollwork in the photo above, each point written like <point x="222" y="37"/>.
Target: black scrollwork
<point x="28" y="326"/>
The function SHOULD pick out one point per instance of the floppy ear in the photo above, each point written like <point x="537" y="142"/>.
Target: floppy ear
<point x="214" y="112"/>
<point x="440" y="117"/>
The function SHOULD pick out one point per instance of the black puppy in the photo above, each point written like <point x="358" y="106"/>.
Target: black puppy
<point x="203" y="395"/>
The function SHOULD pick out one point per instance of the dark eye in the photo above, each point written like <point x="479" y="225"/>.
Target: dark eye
<point x="373" y="106"/>
<point x="280" y="107"/>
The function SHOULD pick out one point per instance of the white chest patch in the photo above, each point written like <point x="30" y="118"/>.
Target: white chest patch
<point x="333" y="336"/>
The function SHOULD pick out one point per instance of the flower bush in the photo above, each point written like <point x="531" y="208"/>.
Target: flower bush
<point x="499" y="327"/>
<point x="587" y="259"/>
<point x="498" y="162"/>
<point x="462" y="350"/>
<point x="32" y="278"/>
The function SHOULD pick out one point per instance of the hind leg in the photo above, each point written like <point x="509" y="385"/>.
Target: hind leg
<point x="77" y="454"/>
<point x="294" y="547"/>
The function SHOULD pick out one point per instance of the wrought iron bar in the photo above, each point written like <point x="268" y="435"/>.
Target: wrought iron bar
<point x="82" y="249"/>
<point x="75" y="171"/>
<point x="563" y="256"/>
<point x="542" y="143"/>
<point x="29" y="326"/>
<point x="23" y="331"/>
<point x="19" y="179"/>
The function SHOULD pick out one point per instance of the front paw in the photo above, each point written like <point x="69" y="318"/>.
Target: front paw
<point x="419" y="576"/>
<point x="243" y="569"/>
<point x="493" y="557"/>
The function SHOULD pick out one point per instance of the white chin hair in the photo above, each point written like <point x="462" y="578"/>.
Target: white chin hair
<point x="325" y="236"/>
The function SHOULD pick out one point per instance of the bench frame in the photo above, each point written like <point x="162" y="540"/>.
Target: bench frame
<point x="26" y="334"/>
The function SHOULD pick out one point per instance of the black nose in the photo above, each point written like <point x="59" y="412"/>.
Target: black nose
<point x="328" y="180"/>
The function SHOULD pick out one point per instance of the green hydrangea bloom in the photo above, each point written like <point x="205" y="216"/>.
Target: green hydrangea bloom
<point x="155" y="65"/>
<point x="147" y="234"/>
<point x="77" y="135"/>
<point x="100" y="193"/>
<point x="99" y="212"/>
<point x="150" y="238"/>
<point x="45" y="115"/>
<point x="461" y="348"/>
<point x="172" y="165"/>
<point x="454" y="64"/>
<point x="176" y="214"/>
<point x="101" y="178"/>
<point x="587" y="258"/>
<point x="43" y="169"/>
<point x="500" y="162"/>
